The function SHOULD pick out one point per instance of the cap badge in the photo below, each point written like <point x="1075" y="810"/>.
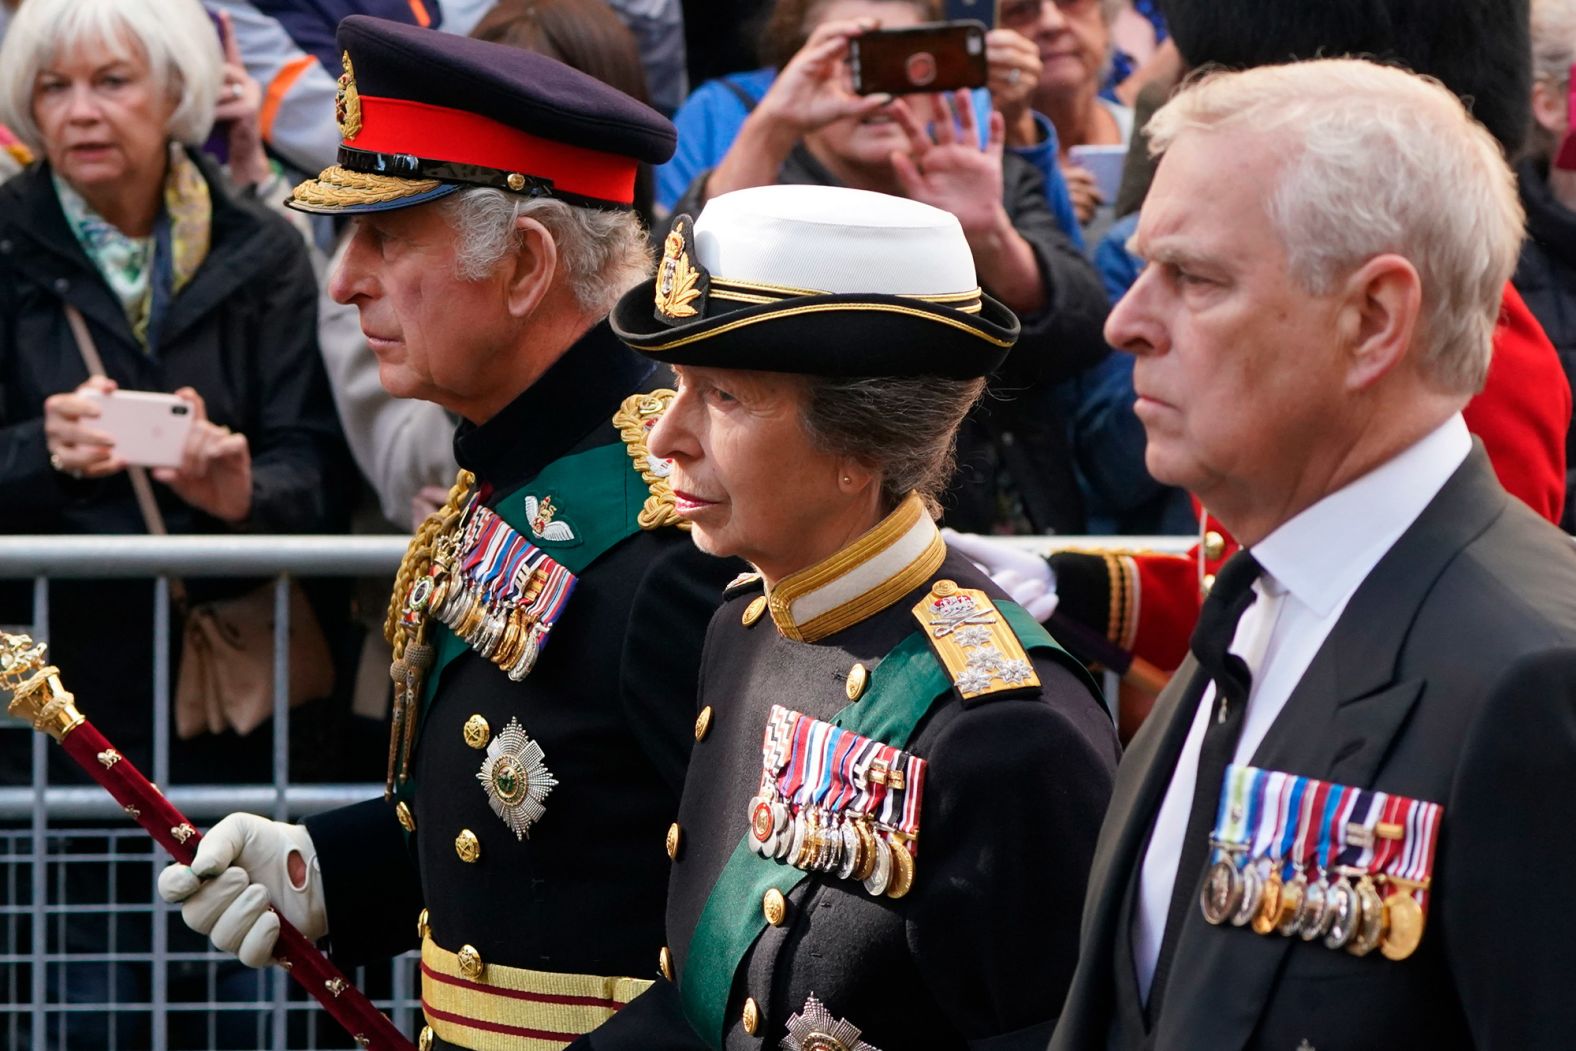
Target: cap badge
<point x="540" y="513"/>
<point x="814" y="1029"/>
<point x="347" y="102"/>
<point x="515" y="779"/>
<point x="681" y="281"/>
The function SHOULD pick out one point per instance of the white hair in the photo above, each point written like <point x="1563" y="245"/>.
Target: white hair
<point x="1553" y="51"/>
<point x="601" y="253"/>
<point x="176" y="37"/>
<point x="1376" y="160"/>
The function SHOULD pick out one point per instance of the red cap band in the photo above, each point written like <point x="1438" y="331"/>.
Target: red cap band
<point x="437" y="133"/>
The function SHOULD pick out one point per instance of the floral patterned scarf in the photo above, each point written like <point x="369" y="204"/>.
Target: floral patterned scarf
<point x="146" y="272"/>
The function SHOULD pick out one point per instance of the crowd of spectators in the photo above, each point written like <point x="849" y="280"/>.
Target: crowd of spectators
<point x="146" y="148"/>
<point x="284" y="384"/>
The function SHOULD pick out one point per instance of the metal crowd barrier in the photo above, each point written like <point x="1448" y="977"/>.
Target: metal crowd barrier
<point x="48" y="831"/>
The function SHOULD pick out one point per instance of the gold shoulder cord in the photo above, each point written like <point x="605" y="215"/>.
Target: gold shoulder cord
<point x="412" y="653"/>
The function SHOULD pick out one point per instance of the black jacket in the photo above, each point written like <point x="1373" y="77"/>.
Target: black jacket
<point x="1546" y="279"/>
<point x="1017" y="429"/>
<point x="243" y="333"/>
<point x="611" y="702"/>
<point x="977" y="954"/>
<point x="1450" y="677"/>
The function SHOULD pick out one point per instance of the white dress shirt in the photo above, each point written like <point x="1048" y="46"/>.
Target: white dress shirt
<point x="1313" y="565"/>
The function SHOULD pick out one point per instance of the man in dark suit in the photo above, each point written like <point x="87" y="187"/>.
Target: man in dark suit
<point x="1326" y="244"/>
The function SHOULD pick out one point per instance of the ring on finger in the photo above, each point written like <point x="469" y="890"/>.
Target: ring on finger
<point x="1012" y="76"/>
<point x="234" y="90"/>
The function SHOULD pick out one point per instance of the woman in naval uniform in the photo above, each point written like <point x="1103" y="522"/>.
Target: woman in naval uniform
<point x="898" y="779"/>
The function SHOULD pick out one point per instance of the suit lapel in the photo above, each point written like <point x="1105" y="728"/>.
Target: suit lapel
<point x="1338" y="725"/>
<point x="1141" y="781"/>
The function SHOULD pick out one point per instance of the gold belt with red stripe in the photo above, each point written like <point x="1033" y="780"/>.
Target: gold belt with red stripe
<point x="512" y="1008"/>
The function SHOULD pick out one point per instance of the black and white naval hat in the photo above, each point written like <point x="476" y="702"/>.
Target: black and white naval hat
<point x="822" y="280"/>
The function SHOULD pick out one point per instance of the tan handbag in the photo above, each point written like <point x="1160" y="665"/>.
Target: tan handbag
<point x="226" y="678"/>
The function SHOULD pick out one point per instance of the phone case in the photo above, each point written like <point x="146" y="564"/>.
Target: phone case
<point x="149" y="427"/>
<point x="941" y="56"/>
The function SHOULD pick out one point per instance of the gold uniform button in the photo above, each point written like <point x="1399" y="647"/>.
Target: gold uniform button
<point x="752" y="1016"/>
<point x="944" y="588"/>
<point x="477" y="732"/>
<point x="424" y="1041"/>
<point x="422" y="930"/>
<point x="675" y="839"/>
<point x="470" y="962"/>
<point x="407" y="820"/>
<point x="857" y="678"/>
<point x="703" y="723"/>
<point x="1209" y="582"/>
<point x="665" y="963"/>
<point x="753" y="611"/>
<point x="467" y="846"/>
<point x="775" y="906"/>
<point x="1214" y="545"/>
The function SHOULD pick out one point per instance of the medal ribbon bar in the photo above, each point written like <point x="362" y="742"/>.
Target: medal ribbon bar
<point x="1345" y="865"/>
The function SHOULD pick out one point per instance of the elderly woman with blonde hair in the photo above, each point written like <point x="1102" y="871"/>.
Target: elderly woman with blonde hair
<point x="124" y="232"/>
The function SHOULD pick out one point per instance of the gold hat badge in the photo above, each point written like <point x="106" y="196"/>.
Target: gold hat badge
<point x="682" y="283"/>
<point x="347" y="102"/>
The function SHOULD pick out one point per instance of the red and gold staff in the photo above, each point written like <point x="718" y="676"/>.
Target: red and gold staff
<point x="38" y="696"/>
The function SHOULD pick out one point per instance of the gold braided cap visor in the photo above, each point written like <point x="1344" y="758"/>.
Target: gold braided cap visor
<point x="338" y="189"/>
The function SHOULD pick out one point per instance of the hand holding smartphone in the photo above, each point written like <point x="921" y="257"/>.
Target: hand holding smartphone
<point x="935" y="57"/>
<point x="149" y="428"/>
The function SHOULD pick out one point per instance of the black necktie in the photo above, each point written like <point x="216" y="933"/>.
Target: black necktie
<point x="1217" y="625"/>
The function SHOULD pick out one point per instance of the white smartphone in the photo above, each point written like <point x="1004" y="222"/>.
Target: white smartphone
<point x="1104" y="163"/>
<point x="149" y="427"/>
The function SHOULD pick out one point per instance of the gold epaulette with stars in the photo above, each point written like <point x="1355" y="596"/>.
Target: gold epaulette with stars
<point x="973" y="641"/>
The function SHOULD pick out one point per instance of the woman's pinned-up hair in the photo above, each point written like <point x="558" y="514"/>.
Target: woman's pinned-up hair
<point x="176" y="38"/>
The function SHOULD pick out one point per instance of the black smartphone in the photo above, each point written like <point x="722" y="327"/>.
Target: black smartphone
<point x="982" y="11"/>
<point x="937" y="56"/>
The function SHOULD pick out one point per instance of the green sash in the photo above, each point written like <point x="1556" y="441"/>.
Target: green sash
<point x="903" y="688"/>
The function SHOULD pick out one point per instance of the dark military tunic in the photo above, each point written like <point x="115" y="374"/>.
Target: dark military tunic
<point x="980" y="951"/>
<point x="610" y="702"/>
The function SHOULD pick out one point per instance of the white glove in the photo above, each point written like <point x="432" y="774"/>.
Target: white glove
<point x="241" y="868"/>
<point x="1027" y="578"/>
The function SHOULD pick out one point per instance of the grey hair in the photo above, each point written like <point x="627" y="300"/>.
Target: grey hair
<point x="1376" y="160"/>
<point x="175" y="36"/>
<point x="601" y="254"/>
<point x="1553" y="51"/>
<point x="904" y="427"/>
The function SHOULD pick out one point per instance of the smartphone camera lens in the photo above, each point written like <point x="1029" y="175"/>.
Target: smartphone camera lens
<point x="180" y="410"/>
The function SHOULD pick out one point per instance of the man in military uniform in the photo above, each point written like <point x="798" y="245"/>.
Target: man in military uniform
<point x="887" y="823"/>
<point x="547" y="621"/>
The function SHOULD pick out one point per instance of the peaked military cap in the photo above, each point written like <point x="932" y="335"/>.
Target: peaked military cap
<point x="821" y="280"/>
<point x="422" y="114"/>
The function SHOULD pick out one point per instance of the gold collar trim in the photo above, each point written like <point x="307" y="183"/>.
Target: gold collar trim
<point x="896" y="556"/>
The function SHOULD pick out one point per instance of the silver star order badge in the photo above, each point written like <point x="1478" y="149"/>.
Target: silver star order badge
<point x="515" y="778"/>
<point x="814" y="1029"/>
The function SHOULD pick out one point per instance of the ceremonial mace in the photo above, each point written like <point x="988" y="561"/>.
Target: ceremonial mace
<point x="38" y="697"/>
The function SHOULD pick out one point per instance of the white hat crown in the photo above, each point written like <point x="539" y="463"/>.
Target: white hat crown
<point x="835" y="240"/>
